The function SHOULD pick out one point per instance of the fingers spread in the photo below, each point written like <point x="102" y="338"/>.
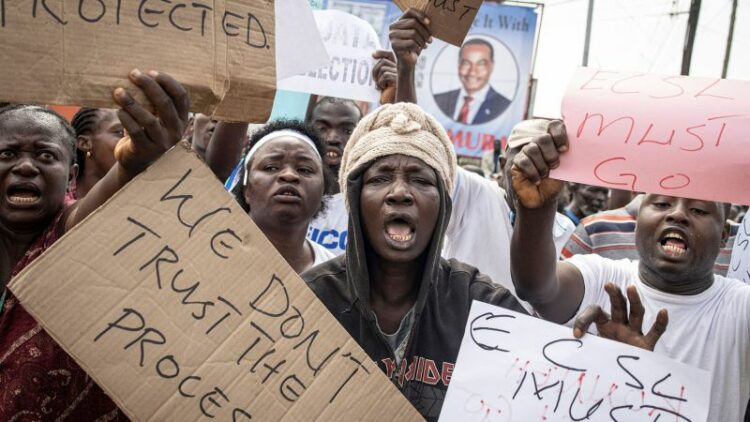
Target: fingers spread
<point x="162" y="102"/>
<point x="659" y="327"/>
<point x="133" y="129"/>
<point x="636" y="309"/>
<point x="619" y="306"/>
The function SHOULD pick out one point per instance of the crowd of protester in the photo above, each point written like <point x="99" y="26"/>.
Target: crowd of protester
<point x="390" y="233"/>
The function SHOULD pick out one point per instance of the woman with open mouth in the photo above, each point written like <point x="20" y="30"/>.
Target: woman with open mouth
<point x="281" y="184"/>
<point x="38" y="380"/>
<point x="405" y="305"/>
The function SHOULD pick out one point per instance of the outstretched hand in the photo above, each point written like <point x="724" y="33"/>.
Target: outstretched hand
<point x="622" y="326"/>
<point x="149" y="135"/>
<point x="531" y="167"/>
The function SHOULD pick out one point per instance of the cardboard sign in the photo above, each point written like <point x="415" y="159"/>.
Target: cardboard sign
<point x="350" y="42"/>
<point x="739" y="267"/>
<point x="177" y="305"/>
<point x="513" y="367"/>
<point x="451" y="19"/>
<point x="78" y="51"/>
<point x="674" y="135"/>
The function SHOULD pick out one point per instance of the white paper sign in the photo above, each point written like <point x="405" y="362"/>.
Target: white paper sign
<point x="350" y="42"/>
<point x="299" y="48"/>
<point x="513" y="367"/>
<point x="739" y="268"/>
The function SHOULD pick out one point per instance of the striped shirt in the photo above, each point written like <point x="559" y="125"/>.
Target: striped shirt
<point x="611" y="234"/>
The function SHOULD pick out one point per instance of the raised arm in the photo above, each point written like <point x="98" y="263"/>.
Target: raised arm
<point x="554" y="289"/>
<point x="409" y="36"/>
<point x="224" y="150"/>
<point x="149" y="136"/>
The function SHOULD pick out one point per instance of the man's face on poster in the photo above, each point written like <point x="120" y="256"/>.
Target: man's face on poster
<point x="475" y="67"/>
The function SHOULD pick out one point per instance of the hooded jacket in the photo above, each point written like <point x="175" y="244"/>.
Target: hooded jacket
<point x="441" y="310"/>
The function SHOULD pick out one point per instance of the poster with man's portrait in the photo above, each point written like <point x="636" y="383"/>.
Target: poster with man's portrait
<point x="480" y="90"/>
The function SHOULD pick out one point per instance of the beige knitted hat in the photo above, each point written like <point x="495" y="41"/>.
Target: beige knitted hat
<point x="525" y="131"/>
<point x="401" y="128"/>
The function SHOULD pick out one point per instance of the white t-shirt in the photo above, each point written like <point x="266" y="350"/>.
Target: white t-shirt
<point x="478" y="234"/>
<point x="480" y="229"/>
<point x="330" y="228"/>
<point x="710" y="330"/>
<point x="321" y="254"/>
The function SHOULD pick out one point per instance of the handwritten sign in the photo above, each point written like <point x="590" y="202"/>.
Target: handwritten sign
<point x="739" y="267"/>
<point x="513" y="367"/>
<point x="350" y="42"/>
<point x="451" y="19"/>
<point x="177" y="305"/>
<point x="674" y="135"/>
<point x="78" y="51"/>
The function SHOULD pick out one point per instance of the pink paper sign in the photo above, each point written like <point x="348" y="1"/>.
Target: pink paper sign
<point x="674" y="135"/>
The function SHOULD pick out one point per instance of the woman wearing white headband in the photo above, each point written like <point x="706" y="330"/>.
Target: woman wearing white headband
<point x="281" y="184"/>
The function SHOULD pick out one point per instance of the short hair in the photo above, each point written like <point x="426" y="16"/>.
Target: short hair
<point x="84" y="122"/>
<point x="478" y="41"/>
<point x="67" y="134"/>
<point x="238" y="191"/>
<point x="336" y="100"/>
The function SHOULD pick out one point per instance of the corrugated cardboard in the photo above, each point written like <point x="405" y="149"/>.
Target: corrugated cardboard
<point x="177" y="305"/>
<point x="78" y="51"/>
<point x="451" y="19"/>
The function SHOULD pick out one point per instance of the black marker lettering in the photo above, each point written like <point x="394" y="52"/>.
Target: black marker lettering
<point x="158" y="340"/>
<point x="88" y="19"/>
<point x="359" y="365"/>
<point x="620" y="364"/>
<point x="273" y="285"/>
<point x="290" y="389"/>
<point x="227" y="232"/>
<point x="138" y="237"/>
<point x="175" y="367"/>
<point x="204" y="13"/>
<point x="158" y="259"/>
<point x="127" y="313"/>
<point x="174" y="22"/>
<point x="209" y="396"/>
<point x="563" y="340"/>
<point x="190" y="290"/>
<point x="310" y="339"/>
<point x="182" y="383"/>
<point x="227" y="26"/>
<point x="250" y="19"/>
<point x="291" y="320"/>
<point x="143" y="11"/>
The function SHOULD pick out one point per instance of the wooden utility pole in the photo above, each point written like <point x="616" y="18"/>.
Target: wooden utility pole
<point x="692" y="28"/>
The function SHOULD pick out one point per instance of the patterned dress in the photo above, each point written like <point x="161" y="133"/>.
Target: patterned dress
<point x="38" y="380"/>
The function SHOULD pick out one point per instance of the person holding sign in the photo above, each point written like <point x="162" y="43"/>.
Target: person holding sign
<point x="677" y="239"/>
<point x="391" y="290"/>
<point x="39" y="381"/>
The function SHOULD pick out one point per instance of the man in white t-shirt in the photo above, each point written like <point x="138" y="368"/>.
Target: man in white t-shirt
<point x="677" y="239"/>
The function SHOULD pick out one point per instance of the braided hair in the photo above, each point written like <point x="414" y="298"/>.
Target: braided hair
<point x="67" y="134"/>
<point x="84" y="122"/>
<point x="238" y="191"/>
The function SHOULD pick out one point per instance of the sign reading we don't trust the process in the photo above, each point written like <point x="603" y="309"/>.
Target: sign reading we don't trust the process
<point x="674" y="135"/>
<point x="177" y="305"/>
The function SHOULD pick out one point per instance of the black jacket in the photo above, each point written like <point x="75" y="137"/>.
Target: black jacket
<point x="441" y="310"/>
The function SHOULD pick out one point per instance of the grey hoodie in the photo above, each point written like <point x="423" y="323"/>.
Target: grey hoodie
<point x="440" y="313"/>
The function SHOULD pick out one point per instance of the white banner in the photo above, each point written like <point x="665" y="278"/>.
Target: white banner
<point x="513" y="367"/>
<point x="350" y="42"/>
